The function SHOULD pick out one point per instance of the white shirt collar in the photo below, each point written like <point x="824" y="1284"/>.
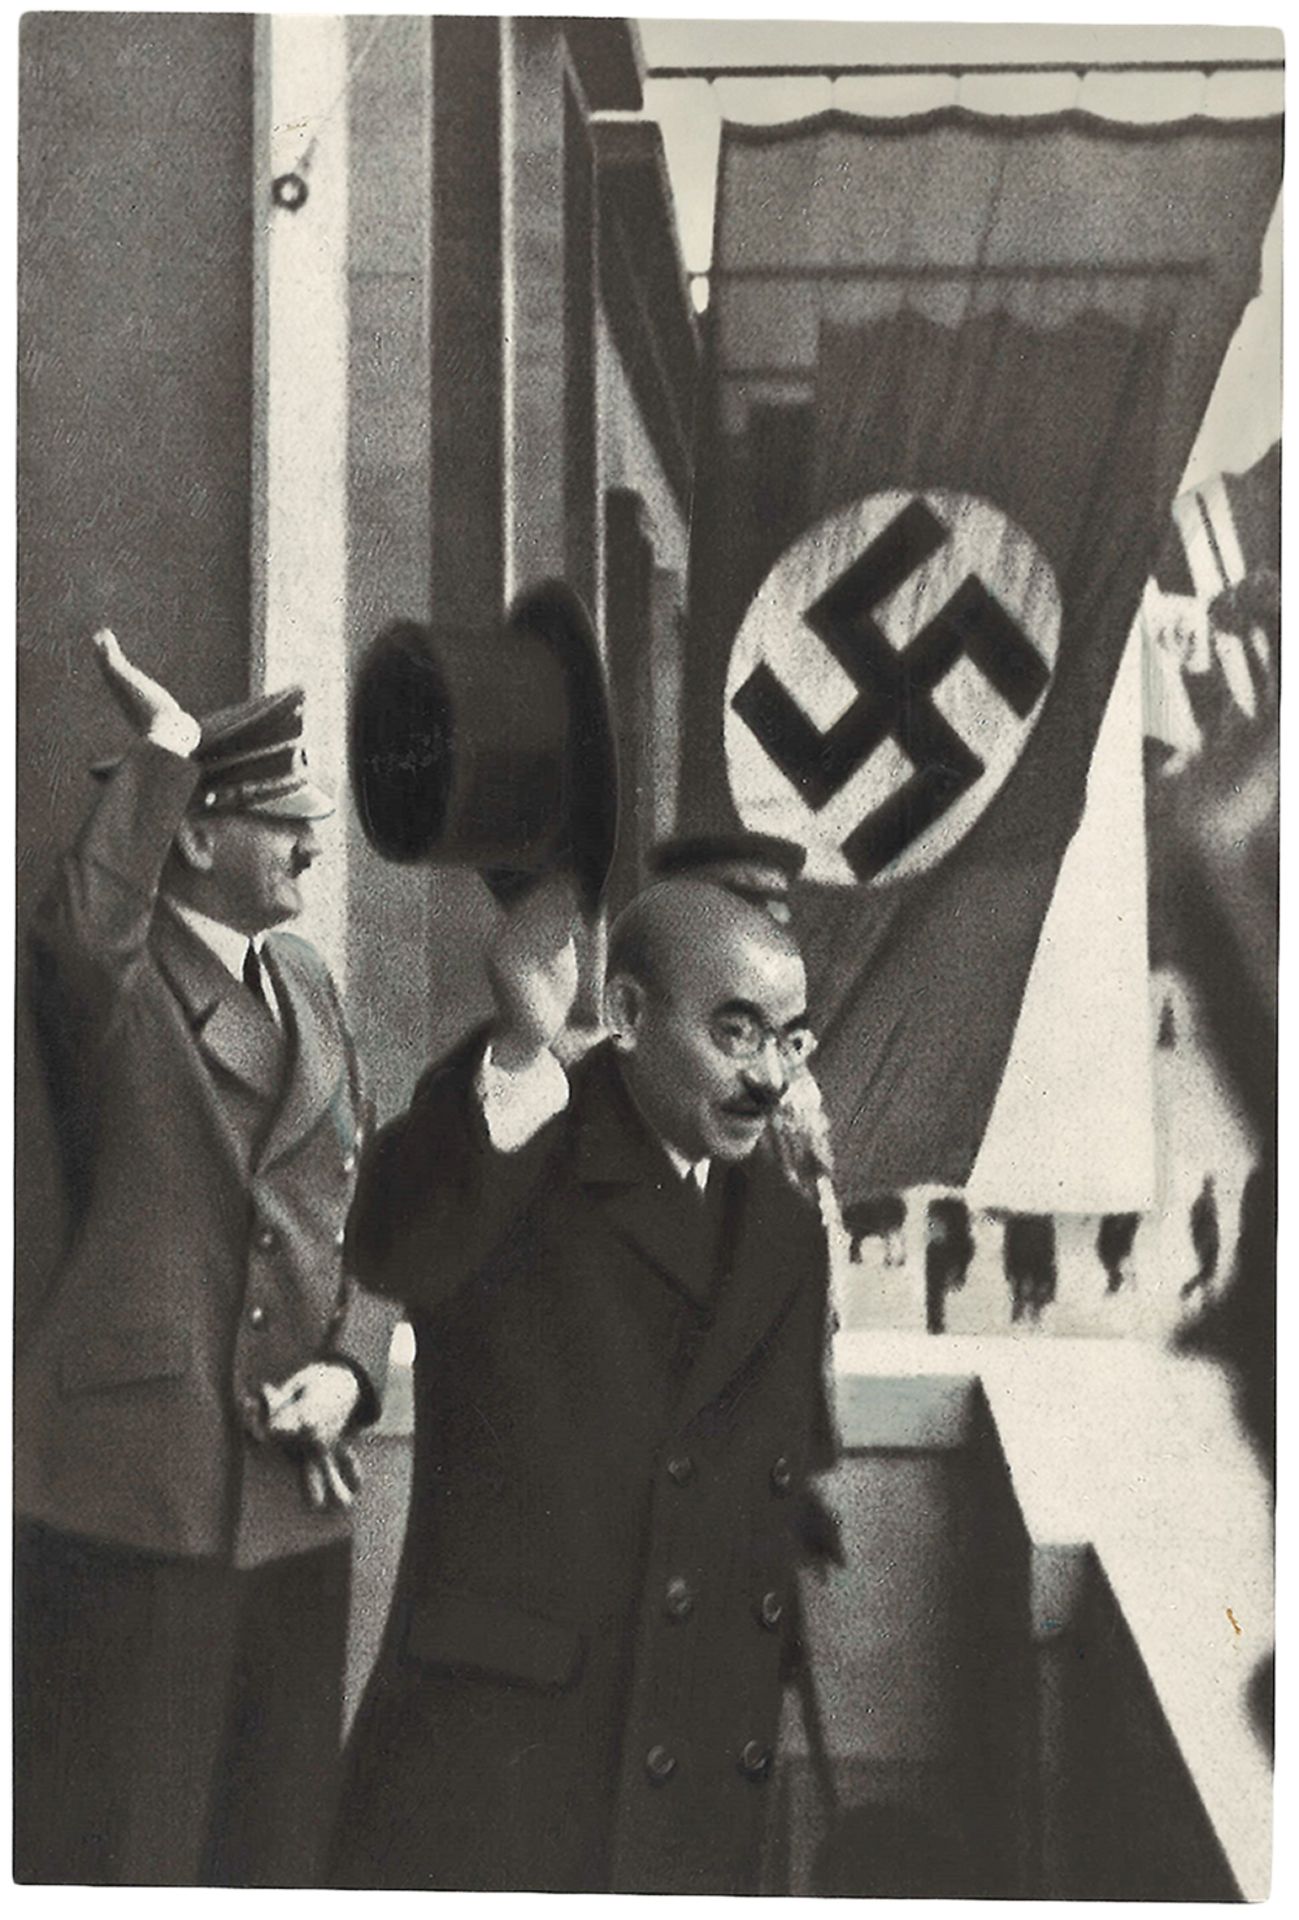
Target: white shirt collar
<point x="696" y="1170"/>
<point x="227" y="943"/>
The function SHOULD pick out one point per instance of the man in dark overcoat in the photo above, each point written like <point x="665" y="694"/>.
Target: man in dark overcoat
<point x="186" y="1380"/>
<point x="620" y="1307"/>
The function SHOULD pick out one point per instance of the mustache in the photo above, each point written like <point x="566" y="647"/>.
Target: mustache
<point x="754" y="1105"/>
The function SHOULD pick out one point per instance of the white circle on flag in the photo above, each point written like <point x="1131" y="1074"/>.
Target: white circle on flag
<point x="967" y="636"/>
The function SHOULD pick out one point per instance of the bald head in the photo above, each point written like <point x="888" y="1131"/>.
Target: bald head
<point x="674" y="925"/>
<point x="706" y="1000"/>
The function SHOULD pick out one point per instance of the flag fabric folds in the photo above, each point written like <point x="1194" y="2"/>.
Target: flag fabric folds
<point x="1203" y="652"/>
<point x="956" y="365"/>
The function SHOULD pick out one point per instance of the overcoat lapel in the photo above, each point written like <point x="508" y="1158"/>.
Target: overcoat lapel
<point x="228" y="1026"/>
<point x="318" y="1060"/>
<point x="625" y="1167"/>
<point x="760" y="1275"/>
<point x="630" y="1176"/>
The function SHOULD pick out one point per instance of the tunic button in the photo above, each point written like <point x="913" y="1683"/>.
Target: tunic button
<point x="660" y="1765"/>
<point x="755" y="1760"/>
<point x="782" y="1474"/>
<point x="265" y="1238"/>
<point x="257" y="1316"/>
<point x="681" y="1469"/>
<point x="679" y="1599"/>
<point x="771" y="1611"/>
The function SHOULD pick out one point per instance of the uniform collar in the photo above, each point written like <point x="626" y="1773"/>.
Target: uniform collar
<point x="227" y="943"/>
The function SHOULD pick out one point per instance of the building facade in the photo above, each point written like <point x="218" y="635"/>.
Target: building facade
<point x="323" y="323"/>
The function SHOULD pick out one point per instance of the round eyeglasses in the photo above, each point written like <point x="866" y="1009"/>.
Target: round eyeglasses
<point x="741" y="1036"/>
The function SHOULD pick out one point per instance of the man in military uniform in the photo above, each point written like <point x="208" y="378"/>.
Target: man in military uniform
<point x="620" y="1307"/>
<point x="759" y="867"/>
<point x="186" y="1383"/>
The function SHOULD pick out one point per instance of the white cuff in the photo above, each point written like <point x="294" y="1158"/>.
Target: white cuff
<point x="177" y="731"/>
<point x="517" y="1105"/>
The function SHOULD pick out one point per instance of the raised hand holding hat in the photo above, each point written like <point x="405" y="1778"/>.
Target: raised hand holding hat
<point x="533" y="971"/>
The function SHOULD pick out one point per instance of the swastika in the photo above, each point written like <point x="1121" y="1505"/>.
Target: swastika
<point x="894" y="690"/>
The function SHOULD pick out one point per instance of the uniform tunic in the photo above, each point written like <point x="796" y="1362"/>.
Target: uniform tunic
<point x="209" y="1154"/>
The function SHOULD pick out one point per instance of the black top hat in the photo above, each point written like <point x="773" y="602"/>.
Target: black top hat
<point x="492" y="750"/>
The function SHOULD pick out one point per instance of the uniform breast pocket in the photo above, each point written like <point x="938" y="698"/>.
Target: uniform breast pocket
<point x="112" y="1357"/>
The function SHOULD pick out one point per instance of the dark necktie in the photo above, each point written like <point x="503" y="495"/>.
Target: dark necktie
<point x="705" y="1207"/>
<point x="254" y="978"/>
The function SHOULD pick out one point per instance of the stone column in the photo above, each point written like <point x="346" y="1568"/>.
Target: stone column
<point x="549" y="296"/>
<point x="300" y="505"/>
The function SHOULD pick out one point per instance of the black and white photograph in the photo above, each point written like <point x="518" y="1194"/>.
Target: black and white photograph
<point x="647" y="779"/>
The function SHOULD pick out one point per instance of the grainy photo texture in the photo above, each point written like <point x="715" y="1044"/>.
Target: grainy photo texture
<point x="648" y="668"/>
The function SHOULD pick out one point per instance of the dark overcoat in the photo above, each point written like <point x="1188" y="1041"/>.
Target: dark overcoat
<point x="210" y="1159"/>
<point x="619" y="1400"/>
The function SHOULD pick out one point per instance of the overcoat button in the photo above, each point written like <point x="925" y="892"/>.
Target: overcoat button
<point x="340" y="1237"/>
<point x="660" y="1765"/>
<point x="679" y="1598"/>
<point x="265" y="1238"/>
<point x="755" y="1760"/>
<point x="782" y="1474"/>
<point x="681" y="1469"/>
<point x="257" y="1316"/>
<point x="349" y="1163"/>
<point x="771" y="1611"/>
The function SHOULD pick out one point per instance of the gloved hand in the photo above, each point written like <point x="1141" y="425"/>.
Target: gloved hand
<point x="309" y="1414"/>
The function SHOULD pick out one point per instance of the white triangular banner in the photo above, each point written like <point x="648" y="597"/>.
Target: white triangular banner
<point x="1072" y="1128"/>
